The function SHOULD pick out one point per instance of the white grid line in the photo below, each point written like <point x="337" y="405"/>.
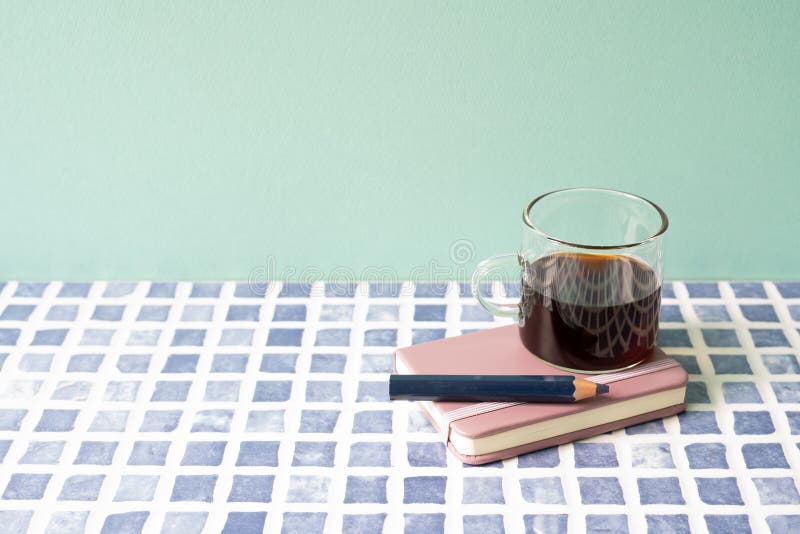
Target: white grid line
<point x="510" y="473"/>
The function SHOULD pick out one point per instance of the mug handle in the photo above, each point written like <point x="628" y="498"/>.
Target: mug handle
<point x="485" y="267"/>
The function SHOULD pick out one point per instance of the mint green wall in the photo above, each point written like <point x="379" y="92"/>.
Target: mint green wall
<point x="165" y="140"/>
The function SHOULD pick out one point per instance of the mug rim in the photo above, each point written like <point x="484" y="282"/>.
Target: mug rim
<point x="664" y="220"/>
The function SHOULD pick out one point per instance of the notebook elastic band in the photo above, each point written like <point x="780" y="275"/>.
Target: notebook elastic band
<point x="651" y="367"/>
<point x="468" y="411"/>
<point x="485" y="407"/>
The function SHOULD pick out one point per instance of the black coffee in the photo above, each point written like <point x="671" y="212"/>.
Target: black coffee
<point x="590" y="312"/>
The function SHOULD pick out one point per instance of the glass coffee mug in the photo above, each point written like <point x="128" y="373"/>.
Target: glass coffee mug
<point x="591" y="262"/>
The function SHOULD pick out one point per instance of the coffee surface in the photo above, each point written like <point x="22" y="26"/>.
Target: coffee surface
<point x="590" y="311"/>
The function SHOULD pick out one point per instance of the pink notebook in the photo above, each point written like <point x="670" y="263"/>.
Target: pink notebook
<point x="479" y="433"/>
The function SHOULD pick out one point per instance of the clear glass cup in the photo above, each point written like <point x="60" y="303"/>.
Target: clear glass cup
<point x="592" y="269"/>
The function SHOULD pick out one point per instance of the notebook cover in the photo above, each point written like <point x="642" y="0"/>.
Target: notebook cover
<point x="500" y="351"/>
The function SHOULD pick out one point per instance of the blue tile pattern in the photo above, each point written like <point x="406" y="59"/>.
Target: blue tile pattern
<point x="230" y="407"/>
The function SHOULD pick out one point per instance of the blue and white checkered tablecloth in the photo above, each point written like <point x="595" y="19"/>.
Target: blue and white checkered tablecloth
<point x="222" y="407"/>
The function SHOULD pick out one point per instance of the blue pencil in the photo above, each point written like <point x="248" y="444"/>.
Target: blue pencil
<point x="493" y="388"/>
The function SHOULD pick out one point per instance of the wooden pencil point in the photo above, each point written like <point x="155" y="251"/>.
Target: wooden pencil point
<point x="586" y="388"/>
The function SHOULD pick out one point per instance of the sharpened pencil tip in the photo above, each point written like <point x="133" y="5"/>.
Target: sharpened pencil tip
<point x="602" y="388"/>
